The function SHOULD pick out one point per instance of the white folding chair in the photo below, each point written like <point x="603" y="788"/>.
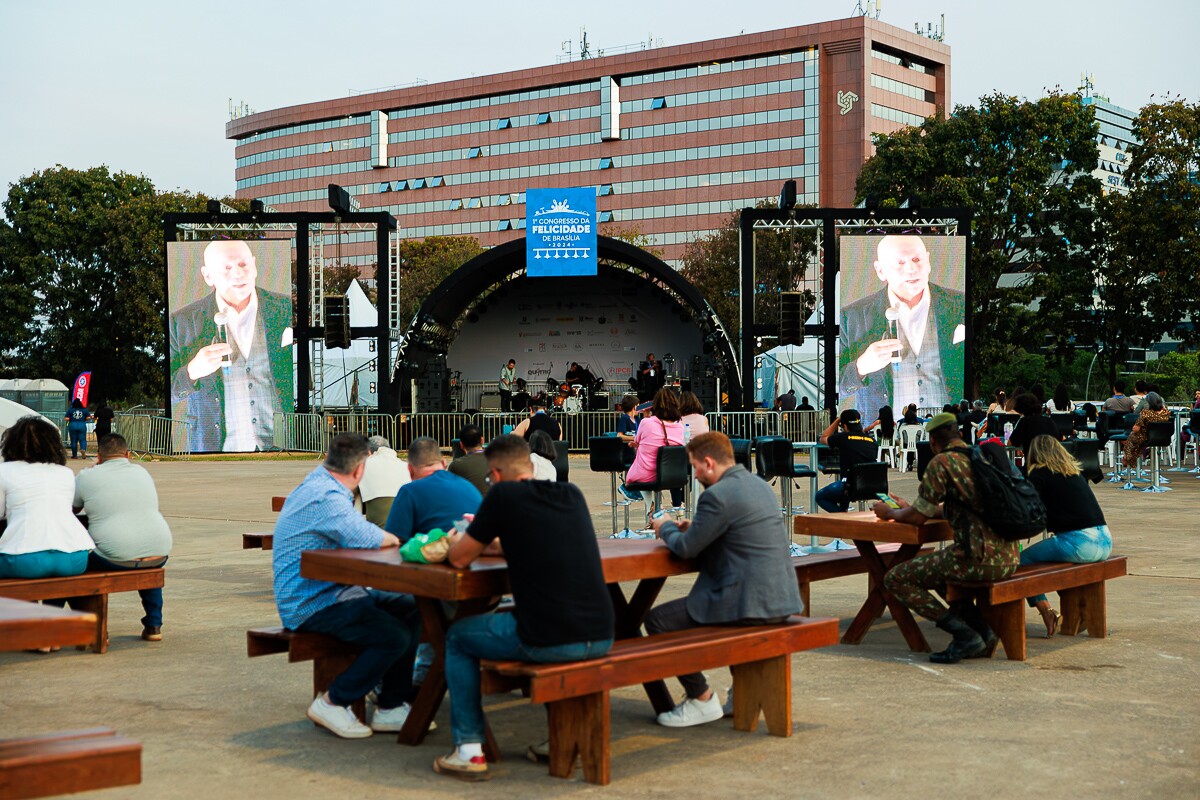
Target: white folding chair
<point x="887" y="450"/>
<point x="909" y="436"/>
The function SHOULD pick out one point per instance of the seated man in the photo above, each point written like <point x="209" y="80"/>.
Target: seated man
<point x="978" y="554"/>
<point x="473" y="465"/>
<point x="562" y="612"/>
<point x="385" y="473"/>
<point x="538" y="420"/>
<point x="319" y="515"/>
<point x="746" y="577"/>
<point x="854" y="447"/>
<point x="121" y="504"/>
<point x="435" y="497"/>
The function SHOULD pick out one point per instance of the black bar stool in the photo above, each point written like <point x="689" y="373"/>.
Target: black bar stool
<point x="607" y="454"/>
<point x="741" y="452"/>
<point x="1158" y="435"/>
<point x="561" y="464"/>
<point x="778" y="461"/>
<point x="866" y="481"/>
<point x="671" y="472"/>
<point x="1087" y="453"/>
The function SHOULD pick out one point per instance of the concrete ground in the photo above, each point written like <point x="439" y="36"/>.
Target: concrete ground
<point x="1118" y="717"/>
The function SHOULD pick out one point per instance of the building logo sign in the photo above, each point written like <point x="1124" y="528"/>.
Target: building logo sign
<point x="846" y="101"/>
<point x="560" y="232"/>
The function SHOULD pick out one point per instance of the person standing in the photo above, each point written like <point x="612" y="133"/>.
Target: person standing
<point x="745" y="575"/>
<point x="77" y="419"/>
<point x="508" y="374"/>
<point x="121" y="504"/>
<point x="104" y="421"/>
<point x="562" y="612"/>
<point x="650" y="377"/>
<point x="319" y="515"/>
<point x="977" y="554"/>
<point x="786" y="401"/>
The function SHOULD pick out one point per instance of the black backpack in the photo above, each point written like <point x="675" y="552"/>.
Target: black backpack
<point x="1009" y="504"/>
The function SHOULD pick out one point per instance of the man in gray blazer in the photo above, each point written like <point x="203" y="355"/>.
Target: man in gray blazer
<point x="746" y="575"/>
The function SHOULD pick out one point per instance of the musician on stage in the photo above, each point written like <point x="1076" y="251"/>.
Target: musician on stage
<point x="650" y="377"/>
<point x="579" y="375"/>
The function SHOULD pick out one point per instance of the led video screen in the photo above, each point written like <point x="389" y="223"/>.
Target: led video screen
<point x="230" y="342"/>
<point x="902" y="334"/>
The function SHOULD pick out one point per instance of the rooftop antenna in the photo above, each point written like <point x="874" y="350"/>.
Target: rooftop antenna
<point x="936" y="32"/>
<point x="1087" y="84"/>
<point x="870" y="9"/>
<point x="584" y="52"/>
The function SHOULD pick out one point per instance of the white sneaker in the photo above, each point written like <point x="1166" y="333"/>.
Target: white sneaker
<point x="727" y="709"/>
<point x="390" y="720"/>
<point x="338" y="719"/>
<point x="692" y="712"/>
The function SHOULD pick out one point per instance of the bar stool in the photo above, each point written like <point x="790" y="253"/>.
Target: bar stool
<point x="561" y="463"/>
<point x="670" y="472"/>
<point x="607" y="454"/>
<point x="1158" y="435"/>
<point x="1087" y="453"/>
<point x="1118" y="433"/>
<point x="866" y="481"/>
<point x="741" y="453"/>
<point x="779" y="462"/>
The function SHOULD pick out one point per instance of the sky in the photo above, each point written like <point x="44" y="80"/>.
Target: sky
<point x="144" y="86"/>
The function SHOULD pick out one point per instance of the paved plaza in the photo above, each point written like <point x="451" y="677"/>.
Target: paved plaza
<point x="1082" y="718"/>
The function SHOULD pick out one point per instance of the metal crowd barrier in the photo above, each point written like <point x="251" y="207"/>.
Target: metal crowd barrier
<point x="156" y="436"/>
<point x="304" y="433"/>
<point x="441" y="427"/>
<point x="744" y="424"/>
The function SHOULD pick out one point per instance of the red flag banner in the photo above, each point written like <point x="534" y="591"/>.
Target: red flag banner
<point x="82" y="384"/>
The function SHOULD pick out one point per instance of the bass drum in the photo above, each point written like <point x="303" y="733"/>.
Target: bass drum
<point x="572" y="405"/>
<point x="558" y="401"/>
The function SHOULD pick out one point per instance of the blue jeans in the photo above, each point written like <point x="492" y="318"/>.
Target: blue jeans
<point x="1078" y="547"/>
<point x="387" y="627"/>
<point x="493" y="636"/>
<point x="833" y="497"/>
<point x="152" y="599"/>
<point x="43" y="564"/>
<point x="78" y="436"/>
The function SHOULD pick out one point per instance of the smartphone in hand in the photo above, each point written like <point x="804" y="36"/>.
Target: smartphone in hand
<point x="888" y="500"/>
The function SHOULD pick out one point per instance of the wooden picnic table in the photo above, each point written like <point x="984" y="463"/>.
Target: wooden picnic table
<point x="648" y="562"/>
<point x="27" y="626"/>
<point x="866" y="530"/>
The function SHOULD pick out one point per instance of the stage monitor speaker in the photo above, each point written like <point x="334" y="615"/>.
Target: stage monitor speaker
<point x="489" y="401"/>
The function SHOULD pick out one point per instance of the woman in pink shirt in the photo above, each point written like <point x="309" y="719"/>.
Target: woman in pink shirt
<point x="661" y="428"/>
<point x="691" y="414"/>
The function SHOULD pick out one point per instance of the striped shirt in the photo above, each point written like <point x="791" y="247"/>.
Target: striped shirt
<point x="318" y="515"/>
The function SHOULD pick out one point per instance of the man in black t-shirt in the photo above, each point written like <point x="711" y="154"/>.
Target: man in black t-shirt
<point x="854" y="448"/>
<point x="562" y="612"/>
<point x="538" y="420"/>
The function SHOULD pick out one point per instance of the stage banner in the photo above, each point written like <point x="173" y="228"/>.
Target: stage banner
<point x="560" y="232"/>
<point x="83" y="384"/>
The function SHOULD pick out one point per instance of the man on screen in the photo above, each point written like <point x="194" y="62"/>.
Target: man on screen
<point x="904" y="343"/>
<point x="231" y="355"/>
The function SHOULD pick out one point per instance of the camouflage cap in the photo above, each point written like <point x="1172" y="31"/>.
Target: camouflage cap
<point x="938" y="420"/>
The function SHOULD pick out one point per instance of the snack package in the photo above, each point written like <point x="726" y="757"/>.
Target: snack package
<point x="426" y="548"/>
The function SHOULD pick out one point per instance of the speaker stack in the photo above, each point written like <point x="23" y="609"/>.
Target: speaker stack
<point x="433" y="387"/>
<point x="704" y="381"/>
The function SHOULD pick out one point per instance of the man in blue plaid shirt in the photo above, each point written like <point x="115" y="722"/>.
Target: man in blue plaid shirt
<point x="320" y="515"/>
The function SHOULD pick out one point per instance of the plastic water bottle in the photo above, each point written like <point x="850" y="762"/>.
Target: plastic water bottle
<point x="1008" y="429"/>
<point x="687" y="432"/>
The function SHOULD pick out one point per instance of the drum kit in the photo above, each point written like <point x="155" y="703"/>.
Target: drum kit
<point x="572" y="398"/>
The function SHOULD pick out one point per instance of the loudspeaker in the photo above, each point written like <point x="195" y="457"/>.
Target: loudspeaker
<point x="489" y="401"/>
<point x="791" y="321"/>
<point x="704" y="381"/>
<point x="337" y="321"/>
<point x="433" y="387"/>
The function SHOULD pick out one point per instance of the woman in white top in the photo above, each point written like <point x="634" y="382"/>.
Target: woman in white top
<point x="692" y="414"/>
<point x="43" y="538"/>
<point x="542" y="454"/>
<point x="1061" y="401"/>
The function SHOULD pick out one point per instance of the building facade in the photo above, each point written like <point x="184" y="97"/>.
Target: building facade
<point x="1112" y="142"/>
<point x="673" y="139"/>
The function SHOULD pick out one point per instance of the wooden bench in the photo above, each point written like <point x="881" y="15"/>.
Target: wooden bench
<point x="88" y="592"/>
<point x="331" y="657"/>
<point x="1080" y="588"/>
<point x="826" y="566"/>
<point x="576" y="693"/>
<point x="263" y="541"/>
<point x="68" y="762"/>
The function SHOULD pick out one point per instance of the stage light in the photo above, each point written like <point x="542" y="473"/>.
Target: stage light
<point x="257" y="207"/>
<point x="213" y="206"/>
<point x="787" y="196"/>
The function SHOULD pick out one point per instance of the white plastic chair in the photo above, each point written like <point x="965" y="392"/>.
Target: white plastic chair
<point x="909" y="436"/>
<point x="887" y="450"/>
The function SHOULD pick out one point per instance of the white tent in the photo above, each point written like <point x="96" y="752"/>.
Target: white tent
<point x="10" y="412"/>
<point x="789" y="367"/>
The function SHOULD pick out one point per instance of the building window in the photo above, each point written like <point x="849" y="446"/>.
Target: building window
<point x="604" y="216"/>
<point x="504" y="225"/>
<point x="604" y="190"/>
<point x="474" y="202"/>
<point x="386" y="186"/>
<point x="436" y="181"/>
<point x="418" y="183"/>
<point x="543" y="119"/>
<point x="400" y="186"/>
<point x="658" y="102"/>
<point x="475" y="152"/>
<point x="456" y="204"/>
<point x="503" y="124"/>
<point x="606" y="163"/>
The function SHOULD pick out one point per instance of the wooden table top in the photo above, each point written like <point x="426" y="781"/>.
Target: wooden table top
<point x="25" y="626"/>
<point x="865" y="526"/>
<point x="622" y="560"/>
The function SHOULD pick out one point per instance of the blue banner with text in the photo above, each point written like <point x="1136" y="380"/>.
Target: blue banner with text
<point x="560" y="232"/>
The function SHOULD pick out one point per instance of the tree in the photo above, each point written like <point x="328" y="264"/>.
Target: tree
<point x="632" y="234"/>
<point x="1024" y="168"/>
<point x="1152" y="237"/>
<point x="711" y="264"/>
<point x="425" y="263"/>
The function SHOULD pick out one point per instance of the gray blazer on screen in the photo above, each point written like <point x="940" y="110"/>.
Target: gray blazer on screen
<point x="739" y="538"/>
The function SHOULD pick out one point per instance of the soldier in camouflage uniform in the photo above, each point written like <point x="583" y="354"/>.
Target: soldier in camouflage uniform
<point x="977" y="554"/>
